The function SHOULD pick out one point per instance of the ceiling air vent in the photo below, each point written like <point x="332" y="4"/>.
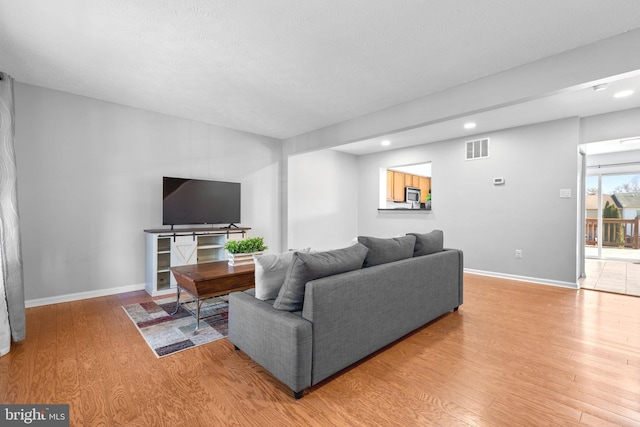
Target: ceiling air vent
<point x="477" y="149"/>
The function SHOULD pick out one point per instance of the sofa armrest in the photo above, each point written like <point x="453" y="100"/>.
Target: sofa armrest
<point x="460" y="273"/>
<point x="279" y="341"/>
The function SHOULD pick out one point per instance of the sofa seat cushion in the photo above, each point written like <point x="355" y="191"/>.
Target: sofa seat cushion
<point x="382" y="251"/>
<point x="306" y="267"/>
<point x="428" y="243"/>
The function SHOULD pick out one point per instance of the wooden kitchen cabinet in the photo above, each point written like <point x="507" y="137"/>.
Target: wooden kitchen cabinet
<point x="398" y="186"/>
<point x="389" y="185"/>
<point x="408" y="180"/>
<point x="397" y="181"/>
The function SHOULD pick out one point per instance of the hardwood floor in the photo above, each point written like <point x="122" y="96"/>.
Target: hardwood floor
<point x="514" y="354"/>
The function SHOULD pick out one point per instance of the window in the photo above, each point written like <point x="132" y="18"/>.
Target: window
<point x="405" y="187"/>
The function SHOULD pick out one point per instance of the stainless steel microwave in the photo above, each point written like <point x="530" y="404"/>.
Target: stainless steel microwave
<point x="411" y="195"/>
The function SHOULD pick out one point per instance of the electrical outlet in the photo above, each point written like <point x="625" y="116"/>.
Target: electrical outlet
<point x="519" y="253"/>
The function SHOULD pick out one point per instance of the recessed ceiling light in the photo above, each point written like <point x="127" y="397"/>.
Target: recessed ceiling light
<point x="385" y="142"/>
<point x="469" y="125"/>
<point x="623" y="93"/>
<point x="600" y="87"/>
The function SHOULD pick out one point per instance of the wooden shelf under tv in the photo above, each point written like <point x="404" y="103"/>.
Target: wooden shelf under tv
<point x="183" y="246"/>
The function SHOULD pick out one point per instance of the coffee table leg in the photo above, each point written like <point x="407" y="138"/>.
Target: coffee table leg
<point x="198" y="304"/>
<point x="177" y="302"/>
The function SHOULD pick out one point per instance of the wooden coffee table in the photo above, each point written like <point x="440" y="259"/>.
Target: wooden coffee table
<point x="210" y="279"/>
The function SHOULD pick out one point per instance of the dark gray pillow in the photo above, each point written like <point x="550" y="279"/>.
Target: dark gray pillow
<point x="428" y="243"/>
<point x="306" y="267"/>
<point x="382" y="251"/>
<point x="270" y="272"/>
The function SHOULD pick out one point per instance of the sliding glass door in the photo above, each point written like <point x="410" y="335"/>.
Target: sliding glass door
<point x="612" y="217"/>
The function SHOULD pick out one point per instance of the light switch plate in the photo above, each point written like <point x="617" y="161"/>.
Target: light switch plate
<point x="565" y="193"/>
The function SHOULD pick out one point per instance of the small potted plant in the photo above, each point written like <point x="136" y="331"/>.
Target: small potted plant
<point x="241" y="252"/>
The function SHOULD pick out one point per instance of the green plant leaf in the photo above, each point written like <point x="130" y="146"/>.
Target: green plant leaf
<point x="253" y="244"/>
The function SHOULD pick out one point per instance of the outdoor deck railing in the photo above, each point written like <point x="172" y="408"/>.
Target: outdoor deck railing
<point x="615" y="232"/>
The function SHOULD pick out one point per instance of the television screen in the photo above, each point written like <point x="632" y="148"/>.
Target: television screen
<point x="194" y="201"/>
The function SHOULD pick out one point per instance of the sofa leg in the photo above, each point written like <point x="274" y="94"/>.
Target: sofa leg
<point x="456" y="308"/>
<point x="297" y="394"/>
<point x="235" y="347"/>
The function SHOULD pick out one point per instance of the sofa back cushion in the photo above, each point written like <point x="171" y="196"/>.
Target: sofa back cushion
<point x="382" y="251"/>
<point x="428" y="243"/>
<point x="306" y="267"/>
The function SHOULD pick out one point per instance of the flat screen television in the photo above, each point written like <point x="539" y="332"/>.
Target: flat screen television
<point x="195" y="201"/>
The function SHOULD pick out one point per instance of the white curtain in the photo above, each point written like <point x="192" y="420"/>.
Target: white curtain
<point x="12" y="310"/>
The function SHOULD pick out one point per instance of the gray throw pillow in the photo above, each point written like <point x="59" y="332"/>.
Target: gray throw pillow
<point x="428" y="243"/>
<point x="306" y="267"/>
<point x="270" y="272"/>
<point x="382" y="251"/>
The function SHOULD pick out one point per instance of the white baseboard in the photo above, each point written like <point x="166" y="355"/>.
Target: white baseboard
<point x="131" y="288"/>
<point x="524" y="279"/>
<point x="82" y="295"/>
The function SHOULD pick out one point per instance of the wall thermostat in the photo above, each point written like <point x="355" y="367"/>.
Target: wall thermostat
<point x="498" y="181"/>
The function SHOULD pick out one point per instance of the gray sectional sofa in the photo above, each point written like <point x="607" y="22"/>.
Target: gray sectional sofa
<point x="322" y="321"/>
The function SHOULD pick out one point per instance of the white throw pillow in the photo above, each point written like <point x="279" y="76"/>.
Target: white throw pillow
<point x="270" y="271"/>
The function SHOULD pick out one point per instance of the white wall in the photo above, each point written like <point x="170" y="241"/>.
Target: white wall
<point x="487" y="222"/>
<point x="615" y="125"/>
<point x="90" y="180"/>
<point x="490" y="222"/>
<point x="323" y="200"/>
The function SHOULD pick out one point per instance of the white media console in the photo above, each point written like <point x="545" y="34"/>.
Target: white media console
<point x="171" y="248"/>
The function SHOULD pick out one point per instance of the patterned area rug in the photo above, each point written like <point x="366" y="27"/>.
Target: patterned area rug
<point x="167" y="334"/>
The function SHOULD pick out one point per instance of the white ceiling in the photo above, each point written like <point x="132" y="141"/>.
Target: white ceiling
<point x="285" y="67"/>
<point x="572" y="102"/>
